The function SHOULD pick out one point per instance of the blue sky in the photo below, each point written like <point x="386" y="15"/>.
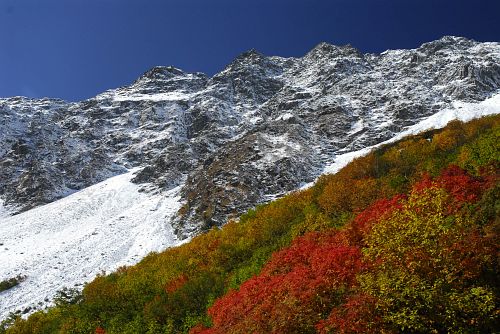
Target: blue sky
<point x="75" y="49"/>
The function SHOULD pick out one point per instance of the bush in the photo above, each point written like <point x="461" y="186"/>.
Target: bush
<point x="11" y="282"/>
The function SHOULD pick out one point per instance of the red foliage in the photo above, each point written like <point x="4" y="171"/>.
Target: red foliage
<point x="100" y="330"/>
<point x="294" y="289"/>
<point x="472" y="253"/>
<point x="463" y="187"/>
<point x="308" y="281"/>
<point x="361" y="226"/>
<point x="459" y="184"/>
<point x="357" y="315"/>
<point x="176" y="283"/>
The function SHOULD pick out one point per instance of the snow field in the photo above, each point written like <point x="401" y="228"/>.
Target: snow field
<point x="70" y="241"/>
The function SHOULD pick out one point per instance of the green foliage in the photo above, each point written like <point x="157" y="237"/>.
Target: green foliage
<point x="11" y="282"/>
<point x="483" y="152"/>
<point x="316" y="220"/>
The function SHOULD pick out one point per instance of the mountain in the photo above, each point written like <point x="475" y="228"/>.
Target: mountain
<point x="210" y="147"/>
<point x="403" y="239"/>
<point x="258" y="129"/>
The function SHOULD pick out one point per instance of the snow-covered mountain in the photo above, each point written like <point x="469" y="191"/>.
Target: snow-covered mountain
<point x="185" y="151"/>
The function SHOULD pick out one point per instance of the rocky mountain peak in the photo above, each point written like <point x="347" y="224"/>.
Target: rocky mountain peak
<point x="447" y="44"/>
<point x="253" y="61"/>
<point x="250" y="55"/>
<point x="161" y="79"/>
<point x="329" y="51"/>
<point x="162" y="73"/>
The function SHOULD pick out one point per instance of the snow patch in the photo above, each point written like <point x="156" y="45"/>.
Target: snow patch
<point x="282" y="147"/>
<point x="463" y="111"/>
<point x="4" y="212"/>
<point x="118" y="95"/>
<point x="284" y="117"/>
<point x="356" y="127"/>
<point x="170" y="96"/>
<point x="343" y="160"/>
<point x="282" y="140"/>
<point x="70" y="241"/>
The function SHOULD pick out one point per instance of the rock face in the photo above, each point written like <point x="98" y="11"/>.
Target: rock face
<point x="260" y="128"/>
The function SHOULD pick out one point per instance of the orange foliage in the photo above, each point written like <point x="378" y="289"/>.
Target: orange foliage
<point x="449" y="138"/>
<point x="340" y="195"/>
<point x="176" y="283"/>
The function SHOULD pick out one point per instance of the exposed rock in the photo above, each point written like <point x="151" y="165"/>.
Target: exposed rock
<point x="258" y="129"/>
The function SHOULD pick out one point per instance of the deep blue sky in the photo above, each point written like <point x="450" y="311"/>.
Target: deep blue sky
<point x="75" y="49"/>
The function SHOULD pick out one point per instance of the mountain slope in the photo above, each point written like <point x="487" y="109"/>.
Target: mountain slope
<point x="70" y="241"/>
<point x="208" y="148"/>
<point x="112" y="224"/>
<point x="332" y="257"/>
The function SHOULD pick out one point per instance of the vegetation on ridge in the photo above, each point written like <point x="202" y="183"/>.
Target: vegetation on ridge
<point x="11" y="282"/>
<point x="402" y="240"/>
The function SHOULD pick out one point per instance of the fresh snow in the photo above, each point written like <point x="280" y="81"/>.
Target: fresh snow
<point x="119" y="95"/>
<point x="4" y="212"/>
<point x="462" y="111"/>
<point x="171" y="96"/>
<point x="70" y="241"/>
<point x="285" y="117"/>
<point x="283" y="147"/>
<point x="356" y="127"/>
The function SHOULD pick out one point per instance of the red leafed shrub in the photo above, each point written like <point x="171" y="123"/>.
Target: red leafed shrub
<point x="176" y="283"/>
<point x="357" y="315"/>
<point x="459" y="184"/>
<point x="296" y="289"/>
<point x="360" y="227"/>
<point x="472" y="254"/>
<point x="463" y="187"/>
<point x="100" y="330"/>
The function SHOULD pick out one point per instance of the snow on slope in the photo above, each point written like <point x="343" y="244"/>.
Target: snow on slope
<point x="4" y="212"/>
<point x="462" y="111"/>
<point x="70" y="241"/>
<point x="110" y="224"/>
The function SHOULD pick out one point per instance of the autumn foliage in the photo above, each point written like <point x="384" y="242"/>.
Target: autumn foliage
<point x="404" y="239"/>
<point x="294" y="290"/>
<point x="418" y="264"/>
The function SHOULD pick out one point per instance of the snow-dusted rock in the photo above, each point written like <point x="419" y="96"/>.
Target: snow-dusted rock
<point x="180" y="127"/>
